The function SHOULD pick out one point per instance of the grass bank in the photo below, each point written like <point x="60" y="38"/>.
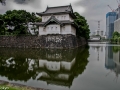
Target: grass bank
<point x="9" y="87"/>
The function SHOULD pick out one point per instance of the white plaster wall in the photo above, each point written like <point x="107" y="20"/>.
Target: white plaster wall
<point x="66" y="29"/>
<point x="42" y="63"/>
<point x="53" y="29"/>
<point x="56" y="29"/>
<point x="42" y="31"/>
<point x="53" y="66"/>
<point x="59" y="17"/>
<point x="50" y="29"/>
<point x="44" y="74"/>
<point x="73" y="62"/>
<point x="70" y="18"/>
<point x="117" y="25"/>
<point x="45" y="18"/>
<point x="67" y="65"/>
<point x="73" y="30"/>
<point x="62" y="17"/>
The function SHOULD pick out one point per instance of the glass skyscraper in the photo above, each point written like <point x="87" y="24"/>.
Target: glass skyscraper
<point x="110" y="18"/>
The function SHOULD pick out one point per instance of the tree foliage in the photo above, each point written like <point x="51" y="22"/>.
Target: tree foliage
<point x="17" y="22"/>
<point x="115" y="37"/>
<point x="83" y="27"/>
<point x="3" y="2"/>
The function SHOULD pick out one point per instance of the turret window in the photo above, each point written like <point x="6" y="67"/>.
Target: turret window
<point x="64" y="17"/>
<point x="51" y="28"/>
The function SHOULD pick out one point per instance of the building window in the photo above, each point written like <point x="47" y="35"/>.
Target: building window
<point x="44" y="29"/>
<point x="64" y="17"/>
<point x="51" y="28"/>
<point x="63" y="28"/>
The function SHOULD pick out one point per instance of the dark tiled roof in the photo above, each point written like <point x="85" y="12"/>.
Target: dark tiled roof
<point x="58" y="9"/>
<point x="53" y="19"/>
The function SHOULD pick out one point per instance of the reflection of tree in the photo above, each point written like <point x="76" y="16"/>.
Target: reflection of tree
<point x="16" y="68"/>
<point x="23" y="64"/>
<point x="81" y="60"/>
<point x="81" y="54"/>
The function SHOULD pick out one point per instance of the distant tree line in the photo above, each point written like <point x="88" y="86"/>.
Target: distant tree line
<point x="17" y="22"/>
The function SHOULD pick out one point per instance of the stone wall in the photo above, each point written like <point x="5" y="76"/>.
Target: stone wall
<point x="44" y="41"/>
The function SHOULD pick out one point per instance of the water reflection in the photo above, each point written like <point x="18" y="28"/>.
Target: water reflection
<point x="109" y="62"/>
<point x="112" y="57"/>
<point x="58" y="67"/>
<point x="98" y="50"/>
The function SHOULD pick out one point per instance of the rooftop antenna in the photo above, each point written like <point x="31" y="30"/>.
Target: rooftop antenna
<point x="118" y="1"/>
<point x="111" y="8"/>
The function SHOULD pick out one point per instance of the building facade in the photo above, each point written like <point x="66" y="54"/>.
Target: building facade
<point x="117" y="25"/>
<point x="117" y="22"/>
<point x="57" y="20"/>
<point x="110" y="18"/>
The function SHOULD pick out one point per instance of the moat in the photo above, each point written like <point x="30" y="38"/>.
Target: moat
<point x="93" y="67"/>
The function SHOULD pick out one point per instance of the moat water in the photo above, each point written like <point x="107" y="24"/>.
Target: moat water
<point x="93" y="67"/>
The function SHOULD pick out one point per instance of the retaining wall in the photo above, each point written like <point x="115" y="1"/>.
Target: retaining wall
<point x="44" y="41"/>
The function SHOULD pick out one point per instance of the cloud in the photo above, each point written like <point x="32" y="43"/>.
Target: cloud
<point x="90" y="9"/>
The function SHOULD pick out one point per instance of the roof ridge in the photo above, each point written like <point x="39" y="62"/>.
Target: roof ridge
<point x="59" y="6"/>
<point x="54" y="18"/>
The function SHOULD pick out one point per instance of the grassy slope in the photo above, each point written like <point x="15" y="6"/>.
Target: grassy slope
<point x="8" y="87"/>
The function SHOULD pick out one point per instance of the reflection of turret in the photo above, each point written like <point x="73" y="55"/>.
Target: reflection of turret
<point x="56" y="65"/>
<point x="60" y="67"/>
<point x="59" y="62"/>
<point x="60" y="78"/>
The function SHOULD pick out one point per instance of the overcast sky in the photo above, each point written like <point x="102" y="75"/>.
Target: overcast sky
<point x="92" y="10"/>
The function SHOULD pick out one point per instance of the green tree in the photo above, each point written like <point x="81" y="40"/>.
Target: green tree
<point x="83" y="27"/>
<point x="2" y="26"/>
<point x="115" y="37"/>
<point x="3" y="2"/>
<point x="18" y="21"/>
<point x="116" y="34"/>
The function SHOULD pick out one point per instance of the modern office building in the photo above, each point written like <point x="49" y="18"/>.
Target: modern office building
<point x="110" y="18"/>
